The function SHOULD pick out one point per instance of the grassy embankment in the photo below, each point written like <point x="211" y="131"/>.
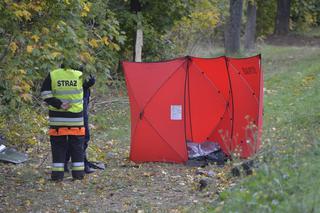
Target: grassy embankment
<point x="288" y="176"/>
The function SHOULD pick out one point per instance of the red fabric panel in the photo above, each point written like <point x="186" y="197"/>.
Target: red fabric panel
<point x="245" y="78"/>
<point x="260" y="118"/>
<point x="187" y="107"/>
<point x="148" y="146"/>
<point x="222" y="133"/>
<point x="215" y="70"/>
<point x="211" y="108"/>
<point x="145" y="79"/>
<point x="152" y="89"/>
<point x="250" y="71"/>
<point x="206" y="105"/>
<point x="158" y="113"/>
<point x="134" y="110"/>
<point x="220" y="113"/>
<point x="207" y="96"/>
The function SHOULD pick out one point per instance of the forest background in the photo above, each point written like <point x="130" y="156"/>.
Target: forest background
<point x="37" y="36"/>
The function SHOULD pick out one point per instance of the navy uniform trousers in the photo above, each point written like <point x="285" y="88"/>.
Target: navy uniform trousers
<point x="60" y="145"/>
<point x="86" y="138"/>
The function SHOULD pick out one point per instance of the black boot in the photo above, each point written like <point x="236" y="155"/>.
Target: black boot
<point x="78" y="177"/>
<point x="57" y="176"/>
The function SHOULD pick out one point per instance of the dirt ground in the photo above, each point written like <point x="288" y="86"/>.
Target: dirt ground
<point x="123" y="187"/>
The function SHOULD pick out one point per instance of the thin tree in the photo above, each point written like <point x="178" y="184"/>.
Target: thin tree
<point x="136" y="7"/>
<point x="232" y="37"/>
<point x="250" y="33"/>
<point x="282" y="18"/>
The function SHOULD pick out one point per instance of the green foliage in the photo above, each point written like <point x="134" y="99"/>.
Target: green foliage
<point x="162" y="14"/>
<point x="266" y="16"/>
<point x="200" y="25"/>
<point x="305" y="14"/>
<point x="36" y="36"/>
<point x="111" y="126"/>
<point x="23" y="130"/>
<point x="157" y="18"/>
<point x="116" y="124"/>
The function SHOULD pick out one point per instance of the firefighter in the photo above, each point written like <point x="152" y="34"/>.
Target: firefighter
<point x="86" y="98"/>
<point x="62" y="91"/>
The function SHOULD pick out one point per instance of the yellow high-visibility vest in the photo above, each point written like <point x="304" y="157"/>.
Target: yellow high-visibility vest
<point x="66" y="85"/>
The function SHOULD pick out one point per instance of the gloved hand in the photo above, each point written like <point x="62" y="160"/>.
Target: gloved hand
<point x="65" y="105"/>
<point x="91" y="81"/>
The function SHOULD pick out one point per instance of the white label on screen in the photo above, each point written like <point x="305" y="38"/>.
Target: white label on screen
<point x="176" y="112"/>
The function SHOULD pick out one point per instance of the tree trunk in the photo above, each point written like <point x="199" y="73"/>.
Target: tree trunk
<point x="250" y="34"/>
<point x="135" y="7"/>
<point x="138" y="45"/>
<point x="232" y="37"/>
<point x="282" y="18"/>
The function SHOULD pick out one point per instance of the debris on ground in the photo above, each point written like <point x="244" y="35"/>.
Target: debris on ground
<point x="11" y="155"/>
<point x="245" y="167"/>
<point x="201" y="154"/>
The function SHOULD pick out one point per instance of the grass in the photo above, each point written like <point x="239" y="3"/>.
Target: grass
<point x="288" y="176"/>
<point x="111" y="126"/>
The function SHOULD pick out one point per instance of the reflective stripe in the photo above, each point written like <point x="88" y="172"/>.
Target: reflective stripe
<point x="55" y="119"/>
<point x="57" y="169"/>
<point x="75" y="164"/>
<point x="66" y="123"/>
<point x="77" y="168"/>
<point x="58" y="165"/>
<point x="46" y="94"/>
<point x="72" y="101"/>
<point x="67" y="92"/>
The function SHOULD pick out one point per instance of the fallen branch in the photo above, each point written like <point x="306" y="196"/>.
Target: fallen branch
<point x="43" y="160"/>
<point x="113" y="101"/>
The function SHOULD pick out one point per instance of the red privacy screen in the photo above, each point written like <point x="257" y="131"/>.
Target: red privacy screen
<point x="194" y="99"/>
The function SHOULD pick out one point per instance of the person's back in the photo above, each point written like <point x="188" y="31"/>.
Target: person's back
<point x="62" y="90"/>
<point x="86" y="99"/>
